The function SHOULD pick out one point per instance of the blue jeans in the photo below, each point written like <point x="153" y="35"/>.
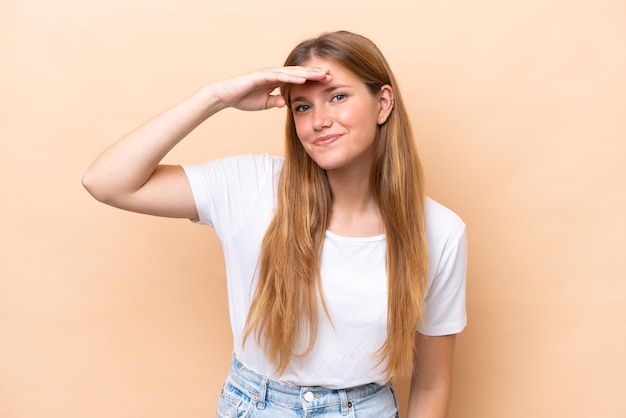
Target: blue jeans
<point x="246" y="394"/>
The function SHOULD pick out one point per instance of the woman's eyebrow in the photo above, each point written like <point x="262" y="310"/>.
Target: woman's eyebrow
<point x="325" y="91"/>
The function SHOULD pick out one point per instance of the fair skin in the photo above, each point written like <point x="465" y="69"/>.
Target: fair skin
<point x="336" y="123"/>
<point x="431" y="383"/>
<point x="336" y="119"/>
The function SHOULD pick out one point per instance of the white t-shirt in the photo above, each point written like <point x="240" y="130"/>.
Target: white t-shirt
<point x="236" y="196"/>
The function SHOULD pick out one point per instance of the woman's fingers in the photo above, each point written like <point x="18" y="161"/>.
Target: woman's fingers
<point x="253" y="91"/>
<point x="292" y="75"/>
<point x="299" y="75"/>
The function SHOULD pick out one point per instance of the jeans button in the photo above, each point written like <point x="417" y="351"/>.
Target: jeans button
<point x="308" y="396"/>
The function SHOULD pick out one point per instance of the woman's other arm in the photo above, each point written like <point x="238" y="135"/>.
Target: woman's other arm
<point x="431" y="383"/>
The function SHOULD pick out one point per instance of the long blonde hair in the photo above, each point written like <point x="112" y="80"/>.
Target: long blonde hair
<point x="284" y="307"/>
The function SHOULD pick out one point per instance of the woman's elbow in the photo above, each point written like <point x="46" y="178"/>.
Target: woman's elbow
<point x="97" y="187"/>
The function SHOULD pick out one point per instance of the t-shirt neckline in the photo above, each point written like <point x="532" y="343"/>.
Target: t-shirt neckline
<point x="371" y="238"/>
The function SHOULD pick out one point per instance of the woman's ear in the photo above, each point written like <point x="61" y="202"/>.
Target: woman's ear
<point x="386" y="102"/>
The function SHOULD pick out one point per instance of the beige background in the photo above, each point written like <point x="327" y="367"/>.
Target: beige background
<point x="519" y="112"/>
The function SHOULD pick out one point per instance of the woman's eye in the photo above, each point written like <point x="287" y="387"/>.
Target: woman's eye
<point x="301" y="108"/>
<point x="338" y="97"/>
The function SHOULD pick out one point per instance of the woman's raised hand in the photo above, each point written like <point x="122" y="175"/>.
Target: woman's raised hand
<point x="253" y="91"/>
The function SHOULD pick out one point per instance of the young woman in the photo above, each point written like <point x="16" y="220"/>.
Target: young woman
<point x="341" y="273"/>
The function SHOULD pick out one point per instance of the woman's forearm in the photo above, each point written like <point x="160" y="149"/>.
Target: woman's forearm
<point x="431" y="403"/>
<point x="127" y="164"/>
<point x="431" y="384"/>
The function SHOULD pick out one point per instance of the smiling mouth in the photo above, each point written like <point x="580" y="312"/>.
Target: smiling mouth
<point x="326" y="140"/>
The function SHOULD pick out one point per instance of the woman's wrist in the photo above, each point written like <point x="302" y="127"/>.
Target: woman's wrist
<point x="209" y="100"/>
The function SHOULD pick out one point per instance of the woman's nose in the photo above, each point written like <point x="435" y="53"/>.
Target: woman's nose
<point x="321" y="119"/>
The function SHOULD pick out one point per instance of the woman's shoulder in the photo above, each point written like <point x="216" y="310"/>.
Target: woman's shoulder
<point x="242" y="164"/>
<point x="257" y="160"/>
<point x="442" y="221"/>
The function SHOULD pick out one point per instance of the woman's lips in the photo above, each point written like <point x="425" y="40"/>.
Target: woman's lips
<point x="326" y="140"/>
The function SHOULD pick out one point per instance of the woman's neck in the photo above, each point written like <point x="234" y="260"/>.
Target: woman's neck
<point x="354" y="211"/>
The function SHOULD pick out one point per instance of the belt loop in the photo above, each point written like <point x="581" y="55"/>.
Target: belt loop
<point x="262" y="392"/>
<point x="344" y="401"/>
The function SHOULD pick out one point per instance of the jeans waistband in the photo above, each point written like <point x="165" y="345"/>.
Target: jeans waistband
<point x="262" y="388"/>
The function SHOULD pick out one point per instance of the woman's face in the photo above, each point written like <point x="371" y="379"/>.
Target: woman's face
<point x="337" y="120"/>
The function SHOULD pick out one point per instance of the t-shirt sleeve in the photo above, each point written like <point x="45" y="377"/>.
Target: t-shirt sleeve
<point x="445" y="306"/>
<point x="225" y="190"/>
